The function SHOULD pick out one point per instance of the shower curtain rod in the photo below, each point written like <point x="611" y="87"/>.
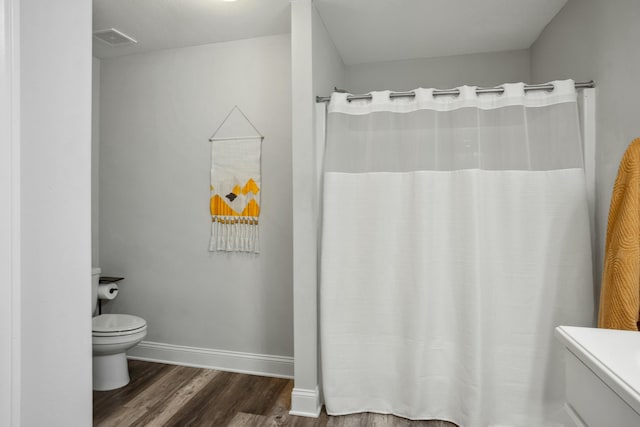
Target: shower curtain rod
<point x="580" y="85"/>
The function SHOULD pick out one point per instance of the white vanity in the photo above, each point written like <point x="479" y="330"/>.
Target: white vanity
<point x="602" y="376"/>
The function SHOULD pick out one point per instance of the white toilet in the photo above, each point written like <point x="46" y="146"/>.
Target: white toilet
<point x="113" y="335"/>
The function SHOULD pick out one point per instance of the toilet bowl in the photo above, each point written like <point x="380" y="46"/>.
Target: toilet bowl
<point x="112" y="336"/>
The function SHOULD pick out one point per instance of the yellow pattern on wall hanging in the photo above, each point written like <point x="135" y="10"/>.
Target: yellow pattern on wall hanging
<point x="235" y="185"/>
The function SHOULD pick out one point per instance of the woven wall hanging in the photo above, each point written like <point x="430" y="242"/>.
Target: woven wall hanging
<point x="235" y="184"/>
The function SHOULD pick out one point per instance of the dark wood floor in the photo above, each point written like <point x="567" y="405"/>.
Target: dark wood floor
<point x="167" y="395"/>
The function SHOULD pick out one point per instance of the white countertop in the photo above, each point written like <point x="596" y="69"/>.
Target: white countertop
<point x="614" y="356"/>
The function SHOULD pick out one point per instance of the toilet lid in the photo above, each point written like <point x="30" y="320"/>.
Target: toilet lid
<point x="114" y="323"/>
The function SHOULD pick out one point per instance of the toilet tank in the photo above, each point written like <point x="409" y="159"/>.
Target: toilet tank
<point x="95" y="280"/>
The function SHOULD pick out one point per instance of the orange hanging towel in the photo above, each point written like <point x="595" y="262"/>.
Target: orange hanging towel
<point x="620" y="292"/>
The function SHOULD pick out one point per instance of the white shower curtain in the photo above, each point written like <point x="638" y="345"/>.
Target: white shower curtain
<point x="455" y="237"/>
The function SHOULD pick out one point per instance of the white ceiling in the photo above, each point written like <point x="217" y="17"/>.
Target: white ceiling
<point x="165" y="24"/>
<point x="362" y="30"/>
<point x="386" y="30"/>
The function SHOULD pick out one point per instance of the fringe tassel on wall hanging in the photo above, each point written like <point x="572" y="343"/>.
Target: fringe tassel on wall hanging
<point x="235" y="234"/>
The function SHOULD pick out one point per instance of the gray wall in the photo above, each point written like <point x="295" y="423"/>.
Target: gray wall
<point x="482" y="69"/>
<point x="329" y="72"/>
<point x="55" y="211"/>
<point x="328" y="69"/>
<point x="594" y="39"/>
<point x="157" y="112"/>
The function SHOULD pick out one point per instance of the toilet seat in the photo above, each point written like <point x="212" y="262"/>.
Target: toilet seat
<point x="109" y="325"/>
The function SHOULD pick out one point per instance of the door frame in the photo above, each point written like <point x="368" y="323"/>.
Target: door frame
<point x="10" y="303"/>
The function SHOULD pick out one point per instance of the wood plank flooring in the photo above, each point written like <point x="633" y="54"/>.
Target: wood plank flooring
<point x="167" y="395"/>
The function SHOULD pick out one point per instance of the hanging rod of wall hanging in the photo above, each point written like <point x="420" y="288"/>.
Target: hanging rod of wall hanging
<point x="455" y="92"/>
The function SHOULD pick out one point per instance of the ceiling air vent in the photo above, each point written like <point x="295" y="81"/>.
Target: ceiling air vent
<point x="113" y="37"/>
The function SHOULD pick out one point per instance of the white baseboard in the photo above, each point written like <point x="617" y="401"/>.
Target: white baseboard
<point x="223" y="360"/>
<point x="305" y="402"/>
